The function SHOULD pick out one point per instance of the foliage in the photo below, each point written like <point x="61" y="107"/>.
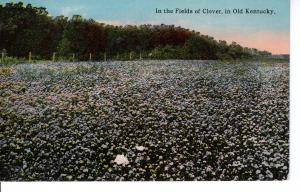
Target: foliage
<point x="7" y="61"/>
<point x="167" y="52"/>
<point x="201" y="47"/>
<point x="25" y="28"/>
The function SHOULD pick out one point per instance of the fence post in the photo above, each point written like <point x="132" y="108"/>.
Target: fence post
<point x="29" y="57"/>
<point x="2" y="56"/>
<point x="73" y="57"/>
<point x="104" y="56"/>
<point x="141" y="56"/>
<point x="130" y="56"/>
<point x="118" y="56"/>
<point x="53" y="57"/>
<point x="90" y="57"/>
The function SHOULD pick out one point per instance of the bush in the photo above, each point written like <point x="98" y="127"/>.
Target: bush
<point x="167" y="52"/>
<point x="11" y="60"/>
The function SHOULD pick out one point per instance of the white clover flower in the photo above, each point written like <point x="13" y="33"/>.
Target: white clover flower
<point x="121" y="160"/>
<point x="140" y="148"/>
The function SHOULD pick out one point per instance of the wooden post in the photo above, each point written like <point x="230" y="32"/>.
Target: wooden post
<point x="73" y="57"/>
<point x="117" y="56"/>
<point x="130" y="56"/>
<point x="53" y="57"/>
<point x="141" y="56"/>
<point x="90" y="57"/>
<point x="29" y="57"/>
<point x="2" y="56"/>
<point x="104" y="56"/>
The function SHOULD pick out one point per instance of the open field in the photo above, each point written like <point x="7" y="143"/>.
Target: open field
<point x="172" y="120"/>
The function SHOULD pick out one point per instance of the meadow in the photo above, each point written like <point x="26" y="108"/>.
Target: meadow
<point x="144" y="120"/>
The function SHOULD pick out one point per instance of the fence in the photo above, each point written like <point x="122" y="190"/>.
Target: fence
<point x="100" y="57"/>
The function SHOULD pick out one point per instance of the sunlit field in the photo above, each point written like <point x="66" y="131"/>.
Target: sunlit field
<point x="144" y="120"/>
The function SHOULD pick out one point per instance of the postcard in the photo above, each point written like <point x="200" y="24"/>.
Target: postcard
<point x="157" y="90"/>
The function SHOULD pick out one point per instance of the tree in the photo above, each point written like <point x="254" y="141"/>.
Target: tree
<point x="200" y="47"/>
<point x="25" y="28"/>
<point x="73" y="40"/>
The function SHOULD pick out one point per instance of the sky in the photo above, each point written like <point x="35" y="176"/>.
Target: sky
<point x="261" y="31"/>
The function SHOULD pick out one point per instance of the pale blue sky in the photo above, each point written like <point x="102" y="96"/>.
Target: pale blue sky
<point x="220" y="26"/>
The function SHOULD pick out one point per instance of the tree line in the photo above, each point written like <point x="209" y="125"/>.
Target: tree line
<point x="25" y="28"/>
